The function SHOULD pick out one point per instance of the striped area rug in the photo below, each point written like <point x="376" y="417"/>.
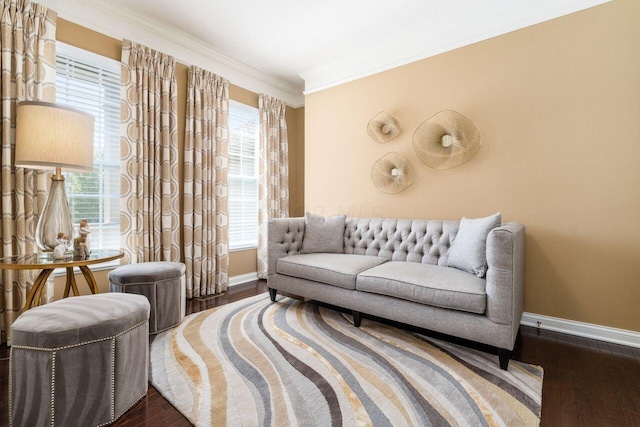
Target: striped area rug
<point x="254" y="362"/>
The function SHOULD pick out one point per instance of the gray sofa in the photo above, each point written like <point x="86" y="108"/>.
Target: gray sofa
<point x="398" y="270"/>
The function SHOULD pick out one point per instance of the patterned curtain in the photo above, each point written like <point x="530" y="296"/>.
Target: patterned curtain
<point x="149" y="209"/>
<point x="206" y="157"/>
<point x="273" y="191"/>
<point x="28" y="33"/>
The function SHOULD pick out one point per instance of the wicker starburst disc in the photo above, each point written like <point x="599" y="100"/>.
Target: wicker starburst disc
<point x="446" y="140"/>
<point x="392" y="173"/>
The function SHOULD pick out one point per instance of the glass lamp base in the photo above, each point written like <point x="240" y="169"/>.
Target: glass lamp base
<point x="55" y="226"/>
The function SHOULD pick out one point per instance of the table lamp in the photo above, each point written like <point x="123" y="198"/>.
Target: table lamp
<point x="51" y="136"/>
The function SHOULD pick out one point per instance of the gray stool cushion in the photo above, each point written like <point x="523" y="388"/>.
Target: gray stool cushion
<point x="163" y="283"/>
<point x="79" y="361"/>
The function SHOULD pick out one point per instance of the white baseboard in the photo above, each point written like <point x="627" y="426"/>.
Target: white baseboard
<point x="587" y="330"/>
<point x="243" y="278"/>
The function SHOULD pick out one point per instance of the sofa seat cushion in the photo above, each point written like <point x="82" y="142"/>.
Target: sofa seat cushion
<point x="332" y="269"/>
<point x="426" y="284"/>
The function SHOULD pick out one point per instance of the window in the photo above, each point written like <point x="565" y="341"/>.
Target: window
<point x="244" y="128"/>
<point x="91" y="83"/>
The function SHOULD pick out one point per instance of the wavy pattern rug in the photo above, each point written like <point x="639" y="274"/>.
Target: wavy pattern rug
<point x="254" y="362"/>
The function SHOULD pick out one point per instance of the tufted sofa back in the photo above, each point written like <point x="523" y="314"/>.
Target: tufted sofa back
<point x="424" y="241"/>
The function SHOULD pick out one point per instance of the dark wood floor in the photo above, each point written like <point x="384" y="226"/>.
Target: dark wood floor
<point x="586" y="382"/>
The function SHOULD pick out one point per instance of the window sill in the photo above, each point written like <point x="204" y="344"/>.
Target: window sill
<point x="97" y="267"/>
<point x="243" y="248"/>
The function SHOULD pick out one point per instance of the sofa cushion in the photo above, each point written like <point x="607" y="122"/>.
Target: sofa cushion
<point x="469" y="248"/>
<point x="426" y="284"/>
<point x="332" y="269"/>
<point x="323" y="234"/>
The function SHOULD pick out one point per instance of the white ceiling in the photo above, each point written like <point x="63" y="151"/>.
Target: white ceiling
<point x="296" y="45"/>
<point x="290" y="37"/>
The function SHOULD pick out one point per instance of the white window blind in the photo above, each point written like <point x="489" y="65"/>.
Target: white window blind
<point x="91" y="83"/>
<point x="244" y="128"/>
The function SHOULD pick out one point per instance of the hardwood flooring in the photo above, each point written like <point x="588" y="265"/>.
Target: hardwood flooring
<point x="586" y="382"/>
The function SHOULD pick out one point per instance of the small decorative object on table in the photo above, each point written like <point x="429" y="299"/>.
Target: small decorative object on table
<point x="83" y="230"/>
<point x="61" y="248"/>
<point x="81" y="243"/>
<point x="80" y="249"/>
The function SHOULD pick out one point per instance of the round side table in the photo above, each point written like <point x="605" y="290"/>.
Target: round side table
<point x="47" y="264"/>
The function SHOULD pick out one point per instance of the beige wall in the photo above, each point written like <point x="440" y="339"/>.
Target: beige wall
<point x="559" y="108"/>
<point x="240" y="262"/>
<point x="295" y="132"/>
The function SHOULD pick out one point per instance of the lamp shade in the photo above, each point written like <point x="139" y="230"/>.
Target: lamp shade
<point x="53" y="136"/>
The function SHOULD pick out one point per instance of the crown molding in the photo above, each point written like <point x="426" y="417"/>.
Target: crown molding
<point x="487" y="20"/>
<point x="123" y="23"/>
<point x="189" y="42"/>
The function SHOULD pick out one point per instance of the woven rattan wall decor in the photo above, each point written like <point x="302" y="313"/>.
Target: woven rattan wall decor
<point x="392" y="173"/>
<point x="383" y="127"/>
<point x="446" y="140"/>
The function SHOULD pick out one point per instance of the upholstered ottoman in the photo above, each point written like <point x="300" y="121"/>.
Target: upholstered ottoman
<point x="163" y="283"/>
<point x="80" y="361"/>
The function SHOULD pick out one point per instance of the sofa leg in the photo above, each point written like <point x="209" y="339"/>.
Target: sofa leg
<point x="504" y="356"/>
<point x="357" y="318"/>
<point x="272" y="294"/>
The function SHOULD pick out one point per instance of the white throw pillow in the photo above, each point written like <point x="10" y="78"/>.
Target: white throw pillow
<point x="323" y="234"/>
<point x="468" y="250"/>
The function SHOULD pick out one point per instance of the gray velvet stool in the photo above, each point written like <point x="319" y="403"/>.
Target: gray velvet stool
<point x="80" y="361"/>
<point x="163" y="283"/>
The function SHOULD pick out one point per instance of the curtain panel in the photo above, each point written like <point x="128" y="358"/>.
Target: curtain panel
<point x="273" y="180"/>
<point x="206" y="158"/>
<point x="28" y="39"/>
<point x="149" y="208"/>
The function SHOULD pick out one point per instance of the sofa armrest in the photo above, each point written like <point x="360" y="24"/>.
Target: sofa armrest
<point x="284" y="238"/>
<point x="505" y="275"/>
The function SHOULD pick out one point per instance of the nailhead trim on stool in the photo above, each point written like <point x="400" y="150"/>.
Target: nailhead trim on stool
<point x="63" y="343"/>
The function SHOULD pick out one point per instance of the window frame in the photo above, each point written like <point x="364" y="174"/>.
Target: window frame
<point x="111" y="66"/>
<point x="248" y="109"/>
